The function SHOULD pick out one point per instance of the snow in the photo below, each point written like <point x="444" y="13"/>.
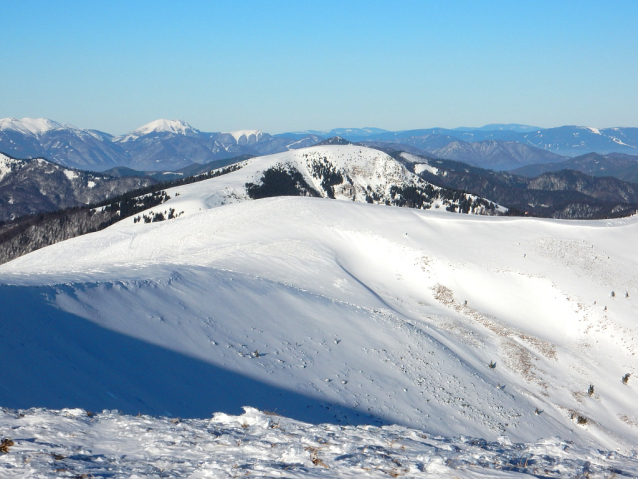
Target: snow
<point x="247" y="133"/>
<point x="329" y="311"/>
<point x="421" y="167"/>
<point x="91" y="184"/>
<point x="68" y="443"/>
<point x="421" y="164"/>
<point x="71" y="175"/>
<point x="620" y="142"/>
<point x="364" y="166"/>
<point x="6" y="164"/>
<point x="594" y="130"/>
<point x="29" y="126"/>
<point x="335" y="290"/>
<point x="177" y="127"/>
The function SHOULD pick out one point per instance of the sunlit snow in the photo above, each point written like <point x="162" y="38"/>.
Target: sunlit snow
<point x="329" y="311"/>
<point x="32" y="126"/>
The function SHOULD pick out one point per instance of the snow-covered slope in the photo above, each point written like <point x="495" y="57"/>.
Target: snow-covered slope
<point x="334" y="311"/>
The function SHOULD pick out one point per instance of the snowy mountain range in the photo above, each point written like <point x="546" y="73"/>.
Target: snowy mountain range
<point x="484" y="337"/>
<point x="174" y="144"/>
<point x="334" y="311"/>
<point x="159" y="145"/>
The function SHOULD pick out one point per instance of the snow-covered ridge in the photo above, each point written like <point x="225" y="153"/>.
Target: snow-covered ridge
<point x="266" y="445"/>
<point x="31" y="126"/>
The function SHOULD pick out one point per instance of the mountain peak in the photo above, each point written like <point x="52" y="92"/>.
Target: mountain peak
<point x="29" y="126"/>
<point x="177" y="127"/>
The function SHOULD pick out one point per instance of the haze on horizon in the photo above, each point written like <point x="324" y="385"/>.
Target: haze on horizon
<point x="286" y="66"/>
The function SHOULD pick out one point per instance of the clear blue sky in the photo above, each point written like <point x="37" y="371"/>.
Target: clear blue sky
<point x="294" y="65"/>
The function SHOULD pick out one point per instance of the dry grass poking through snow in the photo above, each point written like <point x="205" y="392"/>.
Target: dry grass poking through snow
<point x="515" y="355"/>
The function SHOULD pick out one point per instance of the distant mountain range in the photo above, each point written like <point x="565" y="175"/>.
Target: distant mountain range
<point x="565" y="140"/>
<point x="617" y="165"/>
<point x="159" y="145"/>
<point x="172" y="145"/>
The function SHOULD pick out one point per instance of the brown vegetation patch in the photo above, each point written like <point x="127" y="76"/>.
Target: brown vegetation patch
<point x="517" y="357"/>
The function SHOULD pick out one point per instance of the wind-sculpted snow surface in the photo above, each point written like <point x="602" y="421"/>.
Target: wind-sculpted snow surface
<point x="74" y="443"/>
<point x="335" y="311"/>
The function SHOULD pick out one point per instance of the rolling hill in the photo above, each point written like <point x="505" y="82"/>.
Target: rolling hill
<point x="334" y="311"/>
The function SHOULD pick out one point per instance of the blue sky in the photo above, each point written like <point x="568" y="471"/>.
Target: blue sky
<point x="295" y="65"/>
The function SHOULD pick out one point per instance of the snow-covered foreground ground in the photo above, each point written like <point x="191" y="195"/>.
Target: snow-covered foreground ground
<point x="330" y="311"/>
<point x="69" y="443"/>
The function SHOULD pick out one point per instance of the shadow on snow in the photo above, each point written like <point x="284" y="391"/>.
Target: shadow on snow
<point x="55" y="359"/>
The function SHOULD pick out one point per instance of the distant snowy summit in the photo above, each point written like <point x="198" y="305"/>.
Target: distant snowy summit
<point x="30" y="126"/>
<point x="176" y="127"/>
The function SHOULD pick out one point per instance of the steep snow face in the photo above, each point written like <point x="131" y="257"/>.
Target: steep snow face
<point x="335" y="311"/>
<point x="243" y="137"/>
<point x="32" y="126"/>
<point x="177" y="127"/>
